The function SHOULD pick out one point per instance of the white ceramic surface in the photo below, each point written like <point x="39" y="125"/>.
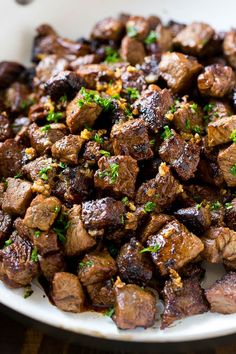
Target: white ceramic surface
<point x="74" y="18"/>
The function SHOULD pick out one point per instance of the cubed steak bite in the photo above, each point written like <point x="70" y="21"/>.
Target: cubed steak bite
<point x="67" y="149"/>
<point x="5" y="226"/>
<point x="11" y="157"/>
<point x="102" y="294"/>
<point x="9" y="72"/>
<point x="41" y="168"/>
<point x="132" y="50"/>
<point x="230" y="214"/>
<point x="219" y="131"/>
<point x="108" y="29"/>
<point x="227" y="163"/>
<point x="187" y="117"/>
<point x="52" y="263"/>
<point x="229" y="46"/>
<point x="5" y="128"/>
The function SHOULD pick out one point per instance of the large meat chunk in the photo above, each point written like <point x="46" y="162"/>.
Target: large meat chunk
<point x="131" y="138"/>
<point x="153" y="105"/>
<point x="67" y="149"/>
<point x="117" y="174"/>
<point x="196" y="219"/>
<point x="177" y="247"/>
<point x="222" y="294"/>
<point x="220" y="130"/>
<point x="134" y="307"/>
<point x="230" y="214"/>
<point x="96" y="267"/>
<point x="67" y="292"/>
<point x="9" y="72"/>
<point x="138" y="27"/>
<point x="154" y="224"/>
<point x="178" y="70"/>
<point x="183" y="301"/>
<point x="11" y="158"/>
<point x="17" y="196"/>
<point x="77" y="238"/>
<point x="42" y="212"/>
<point x="95" y="74"/>
<point x="35" y="169"/>
<point x="188" y="118"/>
<point x="5" y="225"/>
<point x="133" y="265"/>
<point x="102" y="294"/>
<point x="183" y="157"/>
<point x="227" y="164"/>
<point x="229" y="46"/>
<point x="194" y="38"/>
<point x="108" y="29"/>
<point x="17" y="265"/>
<point x="5" y="128"/>
<point x="52" y="263"/>
<point x="132" y="50"/>
<point x="216" y="80"/>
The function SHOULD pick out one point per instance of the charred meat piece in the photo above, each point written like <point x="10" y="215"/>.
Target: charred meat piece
<point x="230" y="214"/>
<point x="227" y="164"/>
<point x="131" y="138"/>
<point x="117" y="174"/>
<point x="132" y="50"/>
<point x="42" y="212"/>
<point x="96" y="267"/>
<point x="134" y="307"/>
<point x="67" y="292"/>
<point x="5" y="128"/>
<point x="150" y="69"/>
<point x="102" y="294"/>
<point x="188" y="118"/>
<point x="17" y="196"/>
<point x="67" y="149"/>
<point x="176" y="247"/>
<point x="11" y="158"/>
<point x="9" y="72"/>
<point x="77" y="238"/>
<point x="92" y="152"/>
<point x="48" y="67"/>
<point x="42" y="167"/>
<point x="183" y="157"/>
<point x="196" y="219"/>
<point x="95" y="74"/>
<point x="100" y="213"/>
<point x="108" y="29"/>
<point x="133" y="265"/>
<point x="219" y="131"/>
<point x="51" y="263"/>
<point x="216" y="109"/>
<point x="229" y="46"/>
<point x="154" y="224"/>
<point x="5" y="225"/>
<point x="216" y="80"/>
<point x="133" y="78"/>
<point x="209" y="172"/>
<point x="153" y="105"/>
<point x="138" y="27"/>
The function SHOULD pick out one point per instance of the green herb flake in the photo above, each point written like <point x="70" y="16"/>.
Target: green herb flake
<point x="132" y="92"/>
<point x="152" y="142"/>
<point x="57" y="209"/>
<point x="112" y="56"/>
<point x="45" y="128"/>
<point x="18" y="175"/>
<point x="60" y="227"/>
<point x="54" y="117"/>
<point x="151" y="38"/>
<point x="198" y="206"/>
<point x="63" y="99"/>
<point x="34" y="255"/>
<point x="28" y="291"/>
<point x="215" y="205"/>
<point x="25" y="104"/>
<point x="152" y="249"/>
<point x="125" y="200"/>
<point x="105" y="153"/>
<point x="87" y="264"/>
<point x="194" y="107"/>
<point x="44" y="171"/>
<point x="167" y="133"/>
<point x="112" y="173"/>
<point x="228" y="206"/>
<point x="149" y="207"/>
<point x="122" y="219"/>
<point x="132" y="31"/>
<point x="89" y="96"/>
<point x="110" y="312"/>
<point x="196" y="129"/>
<point x="187" y="124"/>
<point x="98" y="139"/>
<point x="62" y="165"/>
<point x="232" y="170"/>
<point x="233" y="136"/>
<point x="8" y="243"/>
<point x="37" y="233"/>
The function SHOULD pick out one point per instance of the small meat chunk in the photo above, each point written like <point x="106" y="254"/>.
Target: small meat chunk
<point x="95" y="74"/>
<point x="230" y="214"/>
<point x="51" y="263"/>
<point x="132" y="50"/>
<point x="108" y="29"/>
<point x="100" y="213"/>
<point x="67" y="149"/>
<point x="17" y="196"/>
<point x="183" y="301"/>
<point x="178" y="70"/>
<point x="229" y="46"/>
<point x="194" y="38"/>
<point x="9" y="72"/>
<point x="154" y="225"/>
<point x="153" y="105"/>
<point x="17" y="268"/>
<point x="133" y="265"/>
<point x="222" y="294"/>
<point x="77" y="117"/>
<point x="134" y="307"/>
<point x="96" y="267"/>
<point x="102" y="294"/>
<point x="5" y="225"/>
<point x="77" y="238"/>
<point x="92" y="152"/>
<point x="196" y="219"/>
<point x="133" y="79"/>
<point x="42" y="212"/>
<point x="45" y="242"/>
<point x="217" y="109"/>
<point x="227" y="164"/>
<point x="11" y="158"/>
<point x="131" y="138"/>
<point x="183" y="157"/>
<point x="219" y="131"/>
<point x="17" y="98"/>
<point x="188" y="118"/>
<point x="35" y="169"/>
<point x="150" y="69"/>
<point x="177" y="247"/>
<point x="209" y="172"/>
<point x="138" y="27"/>
<point x="164" y="38"/>
<point x="216" y="80"/>
<point x="117" y="174"/>
<point x="50" y="65"/>
<point x="5" y="128"/>
<point x="67" y="292"/>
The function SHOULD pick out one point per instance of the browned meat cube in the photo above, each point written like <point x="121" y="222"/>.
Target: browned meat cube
<point x="45" y="242"/>
<point x="95" y="74"/>
<point x="227" y="164"/>
<point x="164" y="38"/>
<point x="132" y="78"/>
<point x="17" y="196"/>
<point x="5" y="128"/>
<point x="154" y="224"/>
<point x="50" y="65"/>
<point x="229" y="46"/>
<point x="17" y="97"/>
<point x="210" y="173"/>
<point x="85" y="60"/>
<point x="188" y="118"/>
<point x="18" y="267"/>
<point x="150" y="69"/>
<point x="138" y="27"/>
<point x="51" y="263"/>
<point x="5" y="225"/>
<point x="9" y="72"/>
<point x="131" y="138"/>
<point x="108" y="29"/>
<point x="153" y="105"/>
<point x="133" y="265"/>
<point x="67" y="292"/>
<point x="11" y="158"/>
<point x="96" y="267"/>
<point x="196" y="219"/>
<point x="42" y="212"/>
<point x="161" y="190"/>
<point x="77" y="238"/>
<point x="216" y="81"/>
<point x="183" y="157"/>
<point x="153" y="21"/>
<point x="178" y="70"/>
<point x="230" y="214"/>
<point x="134" y="307"/>
<point x="194" y="38"/>
<point x="222" y="294"/>
<point x="183" y="301"/>
<point x="77" y="117"/>
<point x="132" y="50"/>
<point x="36" y="168"/>
<point x="117" y="174"/>
<point x="67" y="149"/>
<point x="177" y="247"/>
<point x="217" y="109"/>
<point x="41" y="140"/>
<point x="92" y="152"/>
<point x="219" y="131"/>
<point x="102" y="294"/>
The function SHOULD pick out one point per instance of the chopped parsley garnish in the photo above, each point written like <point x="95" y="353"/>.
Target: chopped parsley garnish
<point x="233" y="136"/>
<point x="54" y="117"/>
<point x="60" y="226"/>
<point x="98" y="139"/>
<point x="89" y="96"/>
<point x="152" y="142"/>
<point x="151" y="38"/>
<point x="187" y="124"/>
<point x="37" y="233"/>
<point x="110" y="312"/>
<point x="208" y="108"/>
<point x="196" y="129"/>
<point x="125" y="200"/>
<point x="28" y="291"/>
<point x="34" y="255"/>
<point x="8" y="243"/>
<point x="228" y="206"/>
<point x="62" y="165"/>
<point x="194" y="107"/>
<point x="86" y="264"/>
<point x="105" y="153"/>
<point x="122" y="219"/>
<point x="133" y="93"/>
<point x="198" y="206"/>
<point x="45" y="128"/>
<point x="153" y="249"/>
<point x="149" y="207"/>
<point x="18" y="175"/>
<point x="174" y="107"/>
<point x="132" y="31"/>
<point x="63" y="99"/>
<point x="43" y="172"/>
<point x="215" y="205"/>
<point x="167" y="133"/>
<point x="25" y="104"/>
<point x="232" y="170"/>
<point x="112" y="56"/>
<point x="112" y="173"/>
<point x="57" y="209"/>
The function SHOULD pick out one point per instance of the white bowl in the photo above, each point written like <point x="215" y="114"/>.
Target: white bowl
<point x="74" y="18"/>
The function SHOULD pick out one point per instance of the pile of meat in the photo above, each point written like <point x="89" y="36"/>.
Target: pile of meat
<point x="118" y="169"/>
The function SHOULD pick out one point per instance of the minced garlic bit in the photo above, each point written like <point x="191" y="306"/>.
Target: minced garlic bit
<point x="119" y="283"/>
<point x="176" y="279"/>
<point x="180" y="189"/>
<point x="86" y="134"/>
<point x="114" y="88"/>
<point x="41" y="187"/>
<point x="131" y="206"/>
<point x="131" y="69"/>
<point x="163" y="169"/>
<point x="150" y="192"/>
<point x="31" y="153"/>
